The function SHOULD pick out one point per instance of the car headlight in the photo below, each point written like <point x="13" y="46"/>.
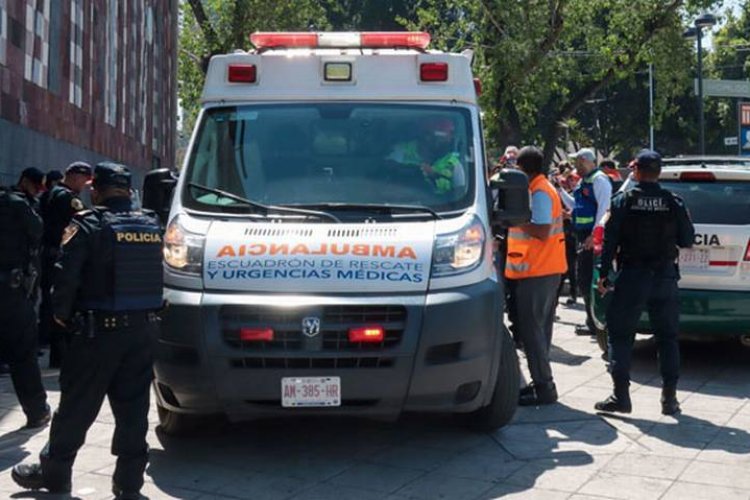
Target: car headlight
<point x="459" y="252"/>
<point x="183" y="250"/>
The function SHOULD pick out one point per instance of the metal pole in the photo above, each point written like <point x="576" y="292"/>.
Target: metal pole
<point x="701" y="127"/>
<point x="651" y="106"/>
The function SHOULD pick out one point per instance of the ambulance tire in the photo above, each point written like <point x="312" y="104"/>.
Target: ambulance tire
<point x="504" y="402"/>
<point x="176" y="424"/>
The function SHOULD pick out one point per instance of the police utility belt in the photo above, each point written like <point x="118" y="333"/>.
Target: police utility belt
<point x="89" y="323"/>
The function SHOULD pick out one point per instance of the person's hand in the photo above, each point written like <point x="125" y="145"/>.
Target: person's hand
<point x="603" y="286"/>
<point x="588" y="243"/>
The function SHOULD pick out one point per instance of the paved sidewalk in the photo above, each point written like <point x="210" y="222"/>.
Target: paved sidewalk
<point x="557" y="452"/>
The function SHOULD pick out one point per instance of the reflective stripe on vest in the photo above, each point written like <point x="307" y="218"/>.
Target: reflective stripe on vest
<point x="530" y="257"/>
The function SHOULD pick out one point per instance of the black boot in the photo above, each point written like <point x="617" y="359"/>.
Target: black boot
<point x="669" y="403"/>
<point x="619" y="402"/>
<point x="121" y="494"/>
<point x="528" y="390"/>
<point x="541" y="394"/>
<point x="30" y="477"/>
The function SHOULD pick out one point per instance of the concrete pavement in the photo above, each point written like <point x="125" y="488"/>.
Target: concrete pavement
<point x="563" y="451"/>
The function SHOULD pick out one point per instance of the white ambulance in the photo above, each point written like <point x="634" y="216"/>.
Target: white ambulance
<point x="328" y="250"/>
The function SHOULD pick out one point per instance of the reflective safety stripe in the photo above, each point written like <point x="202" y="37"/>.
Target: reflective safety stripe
<point x="557" y="228"/>
<point x="584" y="220"/>
<point x="518" y="268"/>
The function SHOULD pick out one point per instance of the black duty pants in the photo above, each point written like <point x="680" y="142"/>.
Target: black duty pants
<point x="18" y="348"/>
<point x="585" y="265"/>
<point x="115" y="364"/>
<point x="636" y="290"/>
<point x="533" y="317"/>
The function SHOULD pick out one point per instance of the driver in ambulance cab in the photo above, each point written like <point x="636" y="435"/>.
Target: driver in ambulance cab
<point x="434" y="152"/>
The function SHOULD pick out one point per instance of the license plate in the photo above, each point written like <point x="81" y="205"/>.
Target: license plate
<point x="694" y="259"/>
<point x="310" y="392"/>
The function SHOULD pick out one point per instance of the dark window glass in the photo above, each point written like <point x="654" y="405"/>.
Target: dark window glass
<point x="723" y="202"/>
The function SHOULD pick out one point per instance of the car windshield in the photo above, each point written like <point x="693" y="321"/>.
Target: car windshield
<point x="333" y="156"/>
<point x="721" y="202"/>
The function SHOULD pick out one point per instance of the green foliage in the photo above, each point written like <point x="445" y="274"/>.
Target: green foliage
<point x="228" y="25"/>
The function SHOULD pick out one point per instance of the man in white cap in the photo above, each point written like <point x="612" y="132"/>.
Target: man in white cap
<point x="589" y="203"/>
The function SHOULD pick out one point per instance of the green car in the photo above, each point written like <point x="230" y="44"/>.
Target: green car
<point x="715" y="284"/>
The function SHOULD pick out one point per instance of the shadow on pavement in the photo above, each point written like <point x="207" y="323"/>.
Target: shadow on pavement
<point x="416" y="456"/>
<point x="560" y="355"/>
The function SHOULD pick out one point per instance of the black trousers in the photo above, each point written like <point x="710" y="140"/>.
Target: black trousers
<point x="49" y="331"/>
<point x="118" y="365"/>
<point x="639" y="289"/>
<point x="18" y="348"/>
<point x="585" y="268"/>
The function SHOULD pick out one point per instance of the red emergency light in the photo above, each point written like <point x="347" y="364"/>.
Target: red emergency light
<point x="433" y="72"/>
<point x="365" y="39"/>
<point x="242" y="73"/>
<point x="697" y="176"/>
<point x="747" y="252"/>
<point x="256" y="334"/>
<point x="367" y="334"/>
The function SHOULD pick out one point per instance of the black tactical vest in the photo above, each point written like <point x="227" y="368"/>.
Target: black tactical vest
<point x="126" y="274"/>
<point x="649" y="231"/>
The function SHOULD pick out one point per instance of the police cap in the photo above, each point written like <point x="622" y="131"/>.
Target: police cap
<point x="648" y="158"/>
<point x="108" y="174"/>
<point x="34" y="175"/>
<point x="79" y="167"/>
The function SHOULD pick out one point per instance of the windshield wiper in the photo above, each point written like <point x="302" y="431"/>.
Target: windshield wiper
<point x="265" y="208"/>
<point x="375" y="207"/>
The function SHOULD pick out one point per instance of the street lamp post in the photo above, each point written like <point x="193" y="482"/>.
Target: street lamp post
<point x="703" y="21"/>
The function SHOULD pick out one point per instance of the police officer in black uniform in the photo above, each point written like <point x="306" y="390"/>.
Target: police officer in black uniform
<point x="20" y="240"/>
<point x="108" y="285"/>
<point x="646" y="226"/>
<point x="57" y="209"/>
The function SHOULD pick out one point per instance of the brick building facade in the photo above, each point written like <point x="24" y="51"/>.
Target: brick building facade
<point x="87" y="79"/>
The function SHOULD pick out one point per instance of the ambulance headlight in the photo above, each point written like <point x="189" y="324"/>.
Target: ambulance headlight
<point x="183" y="250"/>
<point x="459" y="252"/>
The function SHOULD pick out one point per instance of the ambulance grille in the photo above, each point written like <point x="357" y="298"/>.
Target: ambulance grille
<point x="335" y="322"/>
<point x="259" y="363"/>
<point x="278" y="231"/>
<point x="366" y="232"/>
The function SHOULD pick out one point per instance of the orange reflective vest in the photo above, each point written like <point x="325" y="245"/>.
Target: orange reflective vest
<point x="529" y="257"/>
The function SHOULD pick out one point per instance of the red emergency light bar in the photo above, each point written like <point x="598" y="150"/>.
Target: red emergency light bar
<point x="366" y="39"/>
<point x="697" y="176"/>
<point x="241" y="73"/>
<point x="256" y="334"/>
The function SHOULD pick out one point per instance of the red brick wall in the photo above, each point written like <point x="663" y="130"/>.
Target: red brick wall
<point x="25" y="103"/>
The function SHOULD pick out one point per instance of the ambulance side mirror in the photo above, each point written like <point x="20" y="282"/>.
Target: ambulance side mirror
<point x="158" y="188"/>
<point x="511" y="202"/>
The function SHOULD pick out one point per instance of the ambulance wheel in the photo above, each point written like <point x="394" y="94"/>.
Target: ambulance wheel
<point x="176" y="424"/>
<point x="504" y="400"/>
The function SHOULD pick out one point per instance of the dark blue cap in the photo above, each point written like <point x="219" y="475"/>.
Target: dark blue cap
<point x="648" y="158"/>
<point x="34" y="175"/>
<point x="109" y="174"/>
<point x="79" y="167"/>
<point x="54" y="175"/>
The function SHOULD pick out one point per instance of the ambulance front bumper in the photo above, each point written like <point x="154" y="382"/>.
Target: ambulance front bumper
<point x="439" y="355"/>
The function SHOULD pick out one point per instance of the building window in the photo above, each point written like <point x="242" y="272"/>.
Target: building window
<point x="37" y="41"/>
<point x="3" y="29"/>
<point x="110" y="78"/>
<point x="76" y="52"/>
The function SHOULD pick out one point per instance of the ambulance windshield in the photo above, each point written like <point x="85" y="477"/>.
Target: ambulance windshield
<point x="333" y="155"/>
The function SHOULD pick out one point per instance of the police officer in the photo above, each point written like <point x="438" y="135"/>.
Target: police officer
<point x="645" y="229"/>
<point x="57" y="209"/>
<point x="589" y="203"/>
<point x="20" y="239"/>
<point x="31" y="185"/>
<point x="108" y="285"/>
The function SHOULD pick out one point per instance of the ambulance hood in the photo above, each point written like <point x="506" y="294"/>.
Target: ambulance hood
<point x="309" y="258"/>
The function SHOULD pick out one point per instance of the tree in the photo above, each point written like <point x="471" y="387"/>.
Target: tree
<point x="209" y="27"/>
<point x="541" y="60"/>
<point x="369" y="15"/>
